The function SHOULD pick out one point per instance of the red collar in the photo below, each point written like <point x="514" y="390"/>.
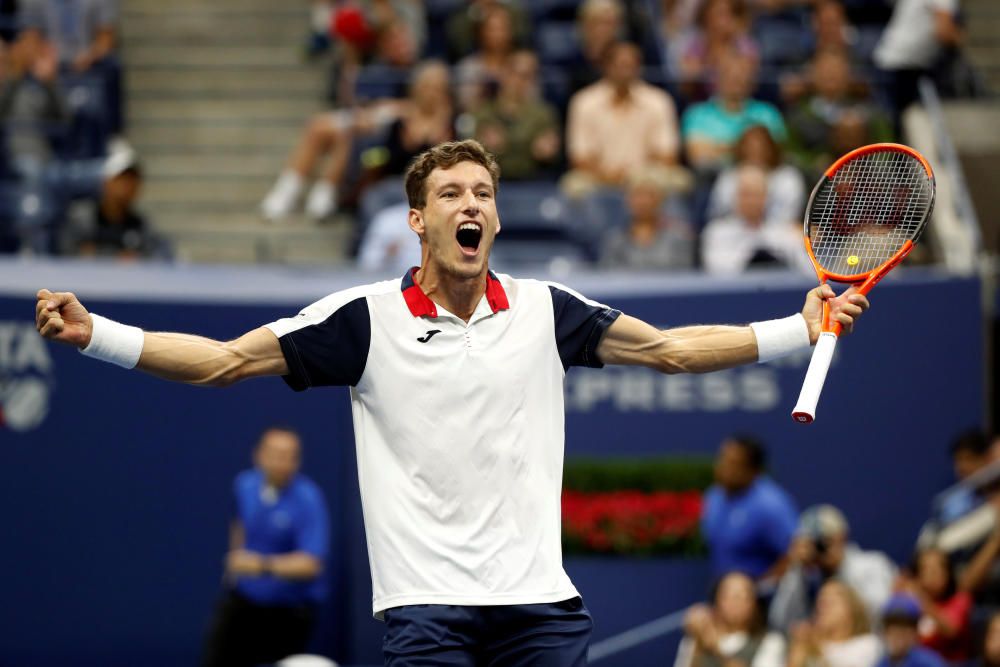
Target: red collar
<point x="421" y="305"/>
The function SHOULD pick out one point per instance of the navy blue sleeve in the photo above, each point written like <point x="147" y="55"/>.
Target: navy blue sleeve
<point x="580" y="324"/>
<point x="333" y="351"/>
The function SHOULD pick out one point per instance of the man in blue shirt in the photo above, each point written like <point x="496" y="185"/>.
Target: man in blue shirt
<point x="747" y="519"/>
<point x="711" y="129"/>
<point x="279" y="538"/>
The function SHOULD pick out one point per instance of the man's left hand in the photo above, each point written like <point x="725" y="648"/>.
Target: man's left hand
<point x="845" y="309"/>
<point x="245" y="563"/>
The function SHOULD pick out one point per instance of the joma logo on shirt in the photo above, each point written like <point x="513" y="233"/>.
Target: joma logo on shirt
<point x="430" y="334"/>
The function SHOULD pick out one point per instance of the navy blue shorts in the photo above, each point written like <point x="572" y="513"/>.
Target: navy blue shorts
<point x="542" y="635"/>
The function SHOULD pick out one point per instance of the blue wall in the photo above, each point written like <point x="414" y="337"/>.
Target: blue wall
<point x="116" y="485"/>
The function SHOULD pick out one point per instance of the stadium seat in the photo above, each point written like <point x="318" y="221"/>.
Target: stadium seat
<point x="553" y="9"/>
<point x="556" y="42"/>
<point x="379" y="81"/>
<point x="868" y="37"/>
<point x="379" y="196"/>
<point x="555" y="87"/>
<point x="782" y="42"/>
<point x="532" y="210"/>
<point x="515" y="254"/>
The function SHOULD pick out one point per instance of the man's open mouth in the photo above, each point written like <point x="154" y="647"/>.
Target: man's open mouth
<point x="468" y="236"/>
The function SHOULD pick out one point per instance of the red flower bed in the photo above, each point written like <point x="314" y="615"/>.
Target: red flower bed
<point x="632" y="522"/>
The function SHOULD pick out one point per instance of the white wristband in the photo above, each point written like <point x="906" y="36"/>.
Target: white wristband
<point x="776" y="338"/>
<point x="115" y="343"/>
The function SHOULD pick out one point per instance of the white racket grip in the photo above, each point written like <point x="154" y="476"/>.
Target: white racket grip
<point x="812" y="386"/>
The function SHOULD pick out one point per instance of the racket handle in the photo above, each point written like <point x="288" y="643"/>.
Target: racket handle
<point x="805" y="409"/>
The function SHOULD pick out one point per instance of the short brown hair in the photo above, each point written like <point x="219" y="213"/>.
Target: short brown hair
<point x="446" y="156"/>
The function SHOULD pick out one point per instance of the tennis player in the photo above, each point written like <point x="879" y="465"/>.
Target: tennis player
<point x="456" y="377"/>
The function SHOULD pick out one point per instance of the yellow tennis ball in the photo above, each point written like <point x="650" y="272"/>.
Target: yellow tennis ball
<point x="852" y="260"/>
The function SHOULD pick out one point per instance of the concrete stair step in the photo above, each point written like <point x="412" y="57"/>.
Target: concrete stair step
<point x="986" y="53"/>
<point x="984" y="32"/>
<point x="227" y="82"/>
<point x="286" y="110"/>
<point x="179" y="55"/>
<point x="216" y="191"/>
<point x="213" y="27"/>
<point x="974" y="125"/>
<point x="193" y="137"/>
<point x="201" y="6"/>
<point x="238" y="238"/>
<point x="243" y="164"/>
<point x="243" y="223"/>
<point x="974" y="9"/>
<point x="218" y="92"/>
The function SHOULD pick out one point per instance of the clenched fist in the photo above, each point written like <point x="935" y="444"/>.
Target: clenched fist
<point x="59" y="316"/>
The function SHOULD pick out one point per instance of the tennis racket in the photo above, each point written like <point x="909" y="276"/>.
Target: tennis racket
<point x="863" y="218"/>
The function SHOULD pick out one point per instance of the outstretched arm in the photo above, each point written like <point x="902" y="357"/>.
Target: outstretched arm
<point x="703" y="349"/>
<point x="60" y="316"/>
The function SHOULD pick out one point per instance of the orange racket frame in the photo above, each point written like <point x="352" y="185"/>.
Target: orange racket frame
<point x="805" y="409"/>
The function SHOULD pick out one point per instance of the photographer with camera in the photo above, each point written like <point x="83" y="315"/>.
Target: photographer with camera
<point x="820" y="551"/>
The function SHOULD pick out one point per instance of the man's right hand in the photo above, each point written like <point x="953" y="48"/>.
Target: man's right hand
<point x="59" y="316"/>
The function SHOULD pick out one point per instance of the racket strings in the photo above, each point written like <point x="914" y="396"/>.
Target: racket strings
<point x="864" y="214"/>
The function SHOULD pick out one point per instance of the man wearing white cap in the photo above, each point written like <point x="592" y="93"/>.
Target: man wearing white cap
<point x="821" y="550"/>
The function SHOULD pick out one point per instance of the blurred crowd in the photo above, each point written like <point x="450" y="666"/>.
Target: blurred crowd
<point x="658" y="134"/>
<point x="796" y="590"/>
<point x="68" y="178"/>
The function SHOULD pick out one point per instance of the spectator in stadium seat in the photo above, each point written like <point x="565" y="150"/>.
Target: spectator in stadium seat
<point x="831" y="31"/>
<point x="900" y="618"/>
<point x="833" y="120"/>
<point x="696" y="57"/>
<point x="839" y="634"/>
<point x="83" y="32"/>
<point x="519" y="127"/>
<point x="945" y="622"/>
<point x="617" y="125"/>
<point x="278" y="540"/>
<point x="786" y="192"/>
<point x="600" y="25"/>
<point x="748" y="238"/>
<point x="109" y="224"/>
<point x="731" y="631"/>
<point x="85" y="36"/>
<point x="747" y="519"/>
<point x="34" y="114"/>
<point x="911" y="44"/>
<point x="990" y="649"/>
<point x="711" y="129"/>
<point x="677" y="18"/>
<point x="358" y="26"/>
<point x="478" y="75"/>
<point x="423" y="118"/>
<point x="383" y="76"/>
<point x="463" y="26"/>
<point x="970" y="453"/>
<point x="962" y="522"/>
<point x="979" y="575"/>
<point x="822" y="551"/>
<point x="653" y="238"/>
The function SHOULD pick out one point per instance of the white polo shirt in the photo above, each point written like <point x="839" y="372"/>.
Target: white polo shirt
<point x="459" y="431"/>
